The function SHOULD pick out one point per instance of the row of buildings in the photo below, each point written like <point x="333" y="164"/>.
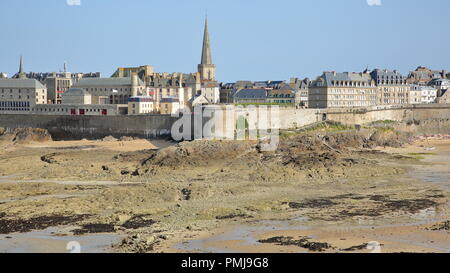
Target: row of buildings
<point x="129" y="90"/>
<point x="141" y="90"/>
<point x="345" y="89"/>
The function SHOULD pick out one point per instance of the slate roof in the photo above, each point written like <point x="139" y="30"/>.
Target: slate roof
<point x="76" y="92"/>
<point x="20" y="83"/>
<point x="126" y="81"/>
<point x="327" y="78"/>
<point x="169" y="99"/>
<point x="385" y="74"/>
<point x="251" y="94"/>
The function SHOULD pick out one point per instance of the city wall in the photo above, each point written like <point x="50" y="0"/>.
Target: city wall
<point x="92" y="127"/>
<point x="435" y="116"/>
<point x="419" y="112"/>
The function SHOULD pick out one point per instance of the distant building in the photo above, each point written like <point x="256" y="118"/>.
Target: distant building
<point x="445" y="97"/>
<point x="337" y="90"/>
<point x="197" y="100"/>
<point x="141" y="105"/>
<point x="257" y="95"/>
<point x="76" y="96"/>
<point x="21" y="95"/>
<point x="301" y="88"/>
<point x="143" y="72"/>
<point x="169" y="106"/>
<point x="284" y="94"/>
<point x="57" y="84"/>
<point x="392" y="87"/>
<point x="79" y="109"/>
<point x="423" y="75"/>
<point x="228" y="90"/>
<point x="118" y="90"/>
<point x="422" y="94"/>
<point x="440" y="84"/>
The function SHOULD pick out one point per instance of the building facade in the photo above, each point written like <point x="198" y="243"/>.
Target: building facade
<point x="301" y="88"/>
<point x="76" y="96"/>
<point x="337" y="90"/>
<point x="21" y="95"/>
<point x="392" y="87"/>
<point x="422" y="94"/>
<point x="141" y="105"/>
<point x="118" y="90"/>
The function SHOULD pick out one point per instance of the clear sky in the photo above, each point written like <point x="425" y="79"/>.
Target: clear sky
<point x="251" y="39"/>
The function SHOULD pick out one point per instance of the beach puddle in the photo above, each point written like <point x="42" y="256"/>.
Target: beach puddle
<point x="246" y="234"/>
<point x="57" y="240"/>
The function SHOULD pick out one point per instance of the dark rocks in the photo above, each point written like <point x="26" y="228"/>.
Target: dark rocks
<point x="312" y="203"/>
<point x="232" y="215"/>
<point x="94" y="228"/>
<point x="186" y="193"/>
<point x="50" y="158"/>
<point x="303" y="242"/>
<point x="410" y="205"/>
<point x="38" y="223"/>
<point x="441" y="226"/>
<point x="138" y="221"/>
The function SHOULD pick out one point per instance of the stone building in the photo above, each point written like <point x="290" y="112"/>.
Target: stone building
<point x="392" y="87"/>
<point x="118" y="90"/>
<point x="57" y="84"/>
<point x="282" y="94"/>
<point x="76" y="96"/>
<point x="444" y="98"/>
<point x="141" y="105"/>
<point x="440" y="84"/>
<point x="79" y="109"/>
<point x="337" y="90"/>
<point x="228" y="90"/>
<point x="143" y="72"/>
<point x="21" y="95"/>
<point x="301" y="88"/>
<point x="423" y="75"/>
<point x="169" y="105"/>
<point x="422" y="94"/>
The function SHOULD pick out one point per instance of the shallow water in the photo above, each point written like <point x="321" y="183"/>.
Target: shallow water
<point x="55" y="240"/>
<point x="247" y="233"/>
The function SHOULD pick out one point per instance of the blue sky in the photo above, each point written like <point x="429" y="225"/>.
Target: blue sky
<point x="251" y="39"/>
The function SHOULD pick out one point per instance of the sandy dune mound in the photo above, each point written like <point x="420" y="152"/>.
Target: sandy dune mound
<point x="25" y="135"/>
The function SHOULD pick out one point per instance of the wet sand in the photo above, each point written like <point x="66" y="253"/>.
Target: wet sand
<point x="405" y="233"/>
<point x="183" y="200"/>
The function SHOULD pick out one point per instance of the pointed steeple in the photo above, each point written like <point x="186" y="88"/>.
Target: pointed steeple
<point x="206" y="68"/>
<point x="22" y="75"/>
<point x="21" y="65"/>
<point x="206" y="50"/>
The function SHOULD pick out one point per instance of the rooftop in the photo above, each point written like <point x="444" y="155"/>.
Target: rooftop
<point x="126" y="81"/>
<point x="251" y="94"/>
<point x="20" y="83"/>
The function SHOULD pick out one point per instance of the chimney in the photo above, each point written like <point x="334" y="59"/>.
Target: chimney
<point x="134" y="84"/>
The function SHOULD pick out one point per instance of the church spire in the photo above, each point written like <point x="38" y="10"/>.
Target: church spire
<point x="206" y="50"/>
<point x="22" y="75"/>
<point x="21" y="65"/>
<point x="206" y="68"/>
